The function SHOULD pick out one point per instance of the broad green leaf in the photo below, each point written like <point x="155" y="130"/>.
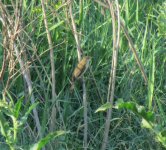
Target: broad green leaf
<point x="44" y="141"/>
<point x="104" y="107"/>
<point x="149" y="116"/>
<point x="137" y="109"/>
<point x="127" y="105"/>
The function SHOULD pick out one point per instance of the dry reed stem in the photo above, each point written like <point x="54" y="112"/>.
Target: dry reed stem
<point x="13" y="38"/>
<point x="4" y="63"/>
<point x="111" y="86"/>
<point x="54" y="95"/>
<point x="139" y="63"/>
<point x="79" y="53"/>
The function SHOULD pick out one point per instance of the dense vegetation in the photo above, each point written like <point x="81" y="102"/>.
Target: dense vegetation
<point x="41" y="43"/>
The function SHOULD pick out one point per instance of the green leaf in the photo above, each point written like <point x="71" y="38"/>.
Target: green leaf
<point x="24" y="118"/>
<point x="4" y="126"/>
<point x="127" y="105"/>
<point x="137" y="109"/>
<point x="161" y="139"/>
<point x="6" y="108"/>
<point x="52" y="28"/>
<point x="146" y="124"/>
<point x="18" y="107"/>
<point x="151" y="80"/>
<point x="44" y="141"/>
<point x="149" y="116"/>
<point x="11" y="99"/>
<point x="104" y="107"/>
<point x="81" y="12"/>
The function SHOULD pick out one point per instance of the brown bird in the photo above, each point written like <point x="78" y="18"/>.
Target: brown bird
<point x="81" y="68"/>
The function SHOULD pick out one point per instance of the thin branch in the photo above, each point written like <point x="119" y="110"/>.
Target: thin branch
<point x="114" y="46"/>
<point x="51" y="50"/>
<point x="111" y="86"/>
<point x="85" y="104"/>
<point x="135" y="53"/>
<point x="4" y="63"/>
<point x="79" y="53"/>
<point x="54" y="95"/>
<point x="118" y="20"/>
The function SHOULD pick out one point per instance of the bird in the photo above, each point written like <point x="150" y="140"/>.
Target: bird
<point x="80" y="69"/>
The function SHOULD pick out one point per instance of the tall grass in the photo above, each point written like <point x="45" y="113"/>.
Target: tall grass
<point x="145" y="23"/>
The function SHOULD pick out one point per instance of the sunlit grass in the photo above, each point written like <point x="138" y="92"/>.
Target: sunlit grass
<point x="145" y="22"/>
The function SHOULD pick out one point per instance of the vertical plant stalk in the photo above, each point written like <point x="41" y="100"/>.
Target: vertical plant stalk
<point x="53" y="117"/>
<point x="85" y="104"/>
<point x="111" y="86"/>
<point x="79" y="53"/>
<point x="30" y="89"/>
<point x="151" y="80"/>
<point x="139" y="63"/>
<point x="4" y="63"/>
<point x="135" y="53"/>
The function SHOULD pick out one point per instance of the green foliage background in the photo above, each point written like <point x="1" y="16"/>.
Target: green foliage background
<point x="146" y="23"/>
